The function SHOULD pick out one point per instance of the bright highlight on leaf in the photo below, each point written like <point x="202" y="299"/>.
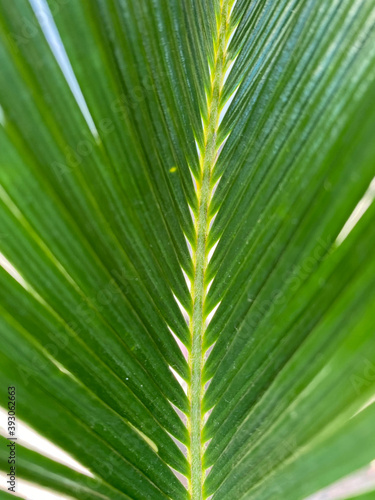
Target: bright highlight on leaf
<point x="186" y="235"/>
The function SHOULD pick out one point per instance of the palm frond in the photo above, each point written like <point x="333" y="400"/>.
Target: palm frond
<point x="178" y="296"/>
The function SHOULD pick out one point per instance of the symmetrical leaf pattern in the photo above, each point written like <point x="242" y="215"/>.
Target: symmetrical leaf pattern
<point x="186" y="307"/>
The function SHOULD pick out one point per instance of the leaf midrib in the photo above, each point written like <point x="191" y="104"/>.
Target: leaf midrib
<point x="201" y="222"/>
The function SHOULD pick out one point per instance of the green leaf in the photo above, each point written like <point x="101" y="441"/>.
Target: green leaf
<point x="365" y="496"/>
<point x="186" y="307"/>
<point x="7" y="496"/>
<point x="334" y="454"/>
<point x="31" y="466"/>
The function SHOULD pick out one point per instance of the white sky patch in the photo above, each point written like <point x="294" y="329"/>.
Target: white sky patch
<point x="235" y="28"/>
<point x="187" y="279"/>
<point x="205" y="447"/>
<point x="183" y="417"/>
<point x="182" y="447"/>
<point x="230" y="67"/>
<point x="198" y="150"/>
<point x="212" y="313"/>
<point x="188" y="242"/>
<point x="194" y="180"/>
<point x="206" y="386"/>
<point x="357" y="213"/>
<point x="205" y="418"/>
<point x="227" y="106"/>
<point x="180" y="476"/>
<point x="233" y="6"/>
<point x="231" y="36"/>
<point x="211" y="252"/>
<point x="192" y="215"/>
<point x="34" y="441"/>
<point x="206" y="355"/>
<point x="202" y="120"/>
<point x="220" y="149"/>
<point x="180" y="344"/>
<point x="209" y="286"/>
<point x="180" y="380"/>
<point x="52" y="35"/>
<point x="182" y="309"/>
<point x="212" y="220"/>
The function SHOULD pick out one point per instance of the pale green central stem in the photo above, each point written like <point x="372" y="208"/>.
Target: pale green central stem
<point x="197" y="320"/>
